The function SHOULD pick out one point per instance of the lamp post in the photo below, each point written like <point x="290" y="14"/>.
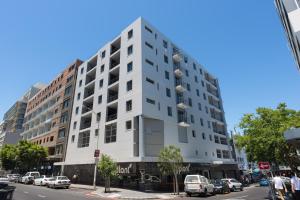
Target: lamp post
<point x="96" y="155"/>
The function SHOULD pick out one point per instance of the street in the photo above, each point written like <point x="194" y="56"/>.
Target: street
<point x="31" y="192"/>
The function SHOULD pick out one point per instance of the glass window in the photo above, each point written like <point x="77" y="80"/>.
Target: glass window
<point x="165" y="44"/>
<point x="151" y="101"/>
<point x="169" y="111"/>
<point x="103" y="54"/>
<point x="167" y="75"/>
<point x="100" y="99"/>
<point x="128" y="125"/>
<point x="193" y="133"/>
<point x="101" y="83"/>
<point x="111" y="133"/>
<point x="149" y="80"/>
<point x="73" y="138"/>
<point x="77" y="110"/>
<point x="83" y="139"/>
<point x="80" y="83"/>
<point x="102" y="68"/>
<point x="166" y="59"/>
<point x="130" y="34"/>
<point x="129" y="85"/>
<point x="129" y="67"/>
<point x="129" y="105"/>
<point x="130" y="50"/>
<point x="74" y="125"/>
<point x="98" y="116"/>
<point x="168" y="92"/>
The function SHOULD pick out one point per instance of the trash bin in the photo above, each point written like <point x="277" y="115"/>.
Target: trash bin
<point x="6" y="191"/>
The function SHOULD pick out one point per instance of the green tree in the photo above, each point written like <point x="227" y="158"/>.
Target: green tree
<point x="263" y="137"/>
<point x="108" y="169"/>
<point x="170" y="161"/>
<point x="30" y="155"/>
<point x="8" y="155"/>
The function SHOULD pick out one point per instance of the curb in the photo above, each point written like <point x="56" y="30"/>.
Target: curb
<point x="85" y="188"/>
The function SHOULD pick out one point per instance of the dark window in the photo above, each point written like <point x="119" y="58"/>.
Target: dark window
<point x="129" y="67"/>
<point x="197" y="92"/>
<point x="188" y="87"/>
<point x="77" y="110"/>
<point x="98" y="116"/>
<point x="201" y="71"/>
<point x="96" y="132"/>
<point x="100" y="99"/>
<point x="196" y="79"/>
<point x="148" y="29"/>
<point x="199" y="106"/>
<point x="193" y="133"/>
<point x="101" y="83"/>
<point x="201" y="121"/>
<point x="102" y="68"/>
<point x="51" y="138"/>
<point x="151" y="101"/>
<point x="202" y="83"/>
<point x="219" y="155"/>
<point x="204" y="96"/>
<point x="208" y="124"/>
<point x="206" y="109"/>
<point x="78" y="96"/>
<point x="169" y="111"/>
<point x="74" y="125"/>
<point x="73" y="138"/>
<point x="167" y="75"/>
<point x="210" y="137"/>
<point x="130" y="34"/>
<point x="149" y="80"/>
<point x="187" y="73"/>
<point x="80" y="83"/>
<point x="149" y="62"/>
<point x="185" y="59"/>
<point x="192" y="119"/>
<point x="83" y="139"/>
<point x="82" y="70"/>
<point x="61" y="133"/>
<point x="130" y="50"/>
<point x="148" y="45"/>
<point x="165" y="44"/>
<point x="168" y="92"/>
<point x="203" y="136"/>
<point x="194" y="66"/>
<point x="166" y="59"/>
<point x="129" y="105"/>
<point x="128" y="125"/>
<point x="68" y="90"/>
<point x="129" y="85"/>
<point x="66" y="104"/>
<point x="217" y="139"/>
<point x="103" y="54"/>
<point x="111" y="133"/>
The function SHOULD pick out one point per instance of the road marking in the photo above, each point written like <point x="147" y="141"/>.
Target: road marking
<point x="26" y="192"/>
<point x="237" y="198"/>
<point x="42" y="196"/>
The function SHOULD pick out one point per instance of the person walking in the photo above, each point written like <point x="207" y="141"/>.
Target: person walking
<point x="279" y="186"/>
<point x="295" y="183"/>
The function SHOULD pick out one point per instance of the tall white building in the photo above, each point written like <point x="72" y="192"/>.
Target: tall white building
<point x="146" y="93"/>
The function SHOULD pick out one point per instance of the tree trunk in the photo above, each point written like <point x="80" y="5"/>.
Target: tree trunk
<point x="108" y="184"/>
<point x="176" y="184"/>
<point x="174" y="188"/>
<point x="105" y="185"/>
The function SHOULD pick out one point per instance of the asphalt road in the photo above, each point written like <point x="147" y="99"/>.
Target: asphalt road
<point x="31" y="192"/>
<point x="249" y="193"/>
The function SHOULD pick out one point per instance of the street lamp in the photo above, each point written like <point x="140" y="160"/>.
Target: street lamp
<point x="97" y="152"/>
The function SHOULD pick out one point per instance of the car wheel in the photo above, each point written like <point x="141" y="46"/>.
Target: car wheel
<point x="241" y="188"/>
<point x="205" y="192"/>
<point x="188" y="194"/>
<point x="233" y="188"/>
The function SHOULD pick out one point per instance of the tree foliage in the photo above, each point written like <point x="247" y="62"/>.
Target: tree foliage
<point x="108" y="169"/>
<point x="170" y="161"/>
<point x="263" y="137"/>
<point x="23" y="156"/>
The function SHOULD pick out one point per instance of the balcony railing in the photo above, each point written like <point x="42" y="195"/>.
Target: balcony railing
<point x="113" y="80"/>
<point x="112" y="98"/>
<point x="111" y="117"/>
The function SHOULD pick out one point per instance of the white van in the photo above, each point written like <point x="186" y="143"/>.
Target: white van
<point x="29" y="177"/>
<point x="197" y="184"/>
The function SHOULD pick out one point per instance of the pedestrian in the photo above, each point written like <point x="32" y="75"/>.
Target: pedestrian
<point x="279" y="186"/>
<point x="75" y="177"/>
<point x="295" y="183"/>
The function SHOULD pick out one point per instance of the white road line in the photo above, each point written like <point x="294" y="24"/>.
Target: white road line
<point x="26" y="192"/>
<point x="42" y="196"/>
<point x="237" y="198"/>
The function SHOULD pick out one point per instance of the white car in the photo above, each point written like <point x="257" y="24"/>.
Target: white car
<point x="4" y="179"/>
<point x="42" y="180"/>
<point x="29" y="177"/>
<point x="197" y="184"/>
<point x="13" y="177"/>
<point x="59" y="182"/>
<point x="233" y="184"/>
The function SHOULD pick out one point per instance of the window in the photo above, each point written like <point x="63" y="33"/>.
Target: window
<point x="83" y="139"/>
<point x="223" y="141"/>
<point x="206" y="109"/>
<point x="167" y="75"/>
<point x="102" y="68"/>
<point x="130" y="50"/>
<point x="188" y="87"/>
<point x="185" y="59"/>
<point x="74" y="125"/>
<point x="80" y="83"/>
<point x="77" y="110"/>
<point x="151" y="101"/>
<point x="165" y="44"/>
<point x="64" y="117"/>
<point x="196" y="79"/>
<point x="203" y="136"/>
<point x="169" y="111"/>
<point x="129" y="67"/>
<point x="73" y="138"/>
<point x="197" y="92"/>
<point x="128" y="125"/>
<point x="168" y="92"/>
<point x="219" y="155"/>
<point x="129" y="85"/>
<point x="103" y="54"/>
<point x="200" y="71"/>
<point x="166" y="59"/>
<point x="68" y="90"/>
<point x="130" y="34"/>
<point x="201" y="121"/>
<point x="192" y="119"/>
<point x="111" y="133"/>
<point x="129" y="105"/>
<point x="61" y="133"/>
<point x="190" y="102"/>
<point x="208" y="124"/>
<point x="148" y="45"/>
<point x="149" y="62"/>
<point x="148" y="29"/>
<point x="193" y="133"/>
<point x="194" y="66"/>
<point x="66" y="103"/>
<point x="100" y="99"/>
<point x="210" y="137"/>
<point x="149" y="80"/>
<point x="101" y="83"/>
<point x="217" y="139"/>
<point x="199" y="106"/>
<point x="225" y="154"/>
<point x="187" y="73"/>
<point x="96" y="132"/>
<point x="98" y="116"/>
<point x="204" y="96"/>
<point x="78" y="96"/>
<point x="82" y="70"/>
<point x="51" y="138"/>
<point x="202" y="83"/>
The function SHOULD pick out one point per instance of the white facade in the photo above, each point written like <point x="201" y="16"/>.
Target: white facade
<point x="153" y="124"/>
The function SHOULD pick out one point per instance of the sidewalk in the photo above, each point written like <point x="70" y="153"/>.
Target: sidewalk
<point x="121" y="193"/>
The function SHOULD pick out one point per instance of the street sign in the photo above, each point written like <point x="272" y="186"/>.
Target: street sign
<point x="96" y="153"/>
<point x="264" y="165"/>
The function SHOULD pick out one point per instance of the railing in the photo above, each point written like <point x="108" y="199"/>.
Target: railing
<point x="112" y="98"/>
<point x="113" y="80"/>
<point x="111" y="117"/>
<point x="181" y="99"/>
<point x="113" y="64"/>
<point x="182" y="118"/>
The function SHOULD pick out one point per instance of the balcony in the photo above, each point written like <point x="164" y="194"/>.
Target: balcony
<point x="178" y="70"/>
<point x="181" y="102"/>
<point x="90" y="77"/>
<point x="89" y="90"/>
<point x="216" y="115"/>
<point x="115" y="46"/>
<point x="214" y="102"/>
<point x="219" y="128"/>
<point x="180" y="85"/>
<point x="114" y="60"/>
<point x="112" y="94"/>
<point x="177" y="57"/>
<point x="182" y="119"/>
<point x="210" y="79"/>
<point x="212" y="91"/>
<point x="87" y="106"/>
<point x="85" y="122"/>
<point x="112" y="112"/>
<point x="92" y="64"/>
<point x="113" y="76"/>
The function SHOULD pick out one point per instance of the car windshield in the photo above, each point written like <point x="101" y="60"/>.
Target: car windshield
<point x="191" y="179"/>
<point x="233" y="181"/>
<point x="52" y="179"/>
<point x="62" y="178"/>
<point x="218" y="182"/>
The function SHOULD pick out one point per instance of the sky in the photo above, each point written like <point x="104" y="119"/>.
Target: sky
<point x="241" y="42"/>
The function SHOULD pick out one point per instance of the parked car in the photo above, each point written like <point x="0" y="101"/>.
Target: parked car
<point x="29" y="177"/>
<point x="13" y="177"/>
<point x="264" y="182"/>
<point x="42" y="180"/>
<point x="234" y="185"/>
<point x="4" y="180"/>
<point x="197" y="184"/>
<point x="59" y="182"/>
<point x="221" y="187"/>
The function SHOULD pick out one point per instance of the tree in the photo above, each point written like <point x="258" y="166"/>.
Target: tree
<point x="170" y="161"/>
<point x="8" y="155"/>
<point x="108" y="169"/>
<point x="263" y="137"/>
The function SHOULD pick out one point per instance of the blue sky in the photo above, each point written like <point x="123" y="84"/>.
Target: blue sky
<point x="240" y="42"/>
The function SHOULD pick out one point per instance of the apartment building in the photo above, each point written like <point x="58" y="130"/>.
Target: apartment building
<point x="289" y="13"/>
<point x="48" y="114"/>
<point x="11" y="126"/>
<point x="139" y="93"/>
